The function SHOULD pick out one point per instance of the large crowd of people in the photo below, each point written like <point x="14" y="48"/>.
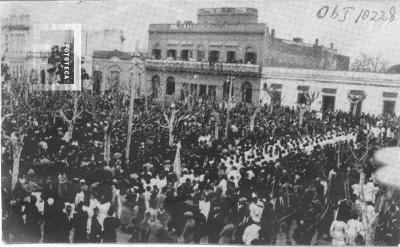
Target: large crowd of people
<point x="279" y="183"/>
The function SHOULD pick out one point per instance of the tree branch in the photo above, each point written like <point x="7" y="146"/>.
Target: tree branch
<point x="162" y="126"/>
<point x="62" y="114"/>
<point x="4" y="117"/>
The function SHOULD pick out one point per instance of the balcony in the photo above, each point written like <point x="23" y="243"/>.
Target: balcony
<point x="204" y="67"/>
<point x="37" y="54"/>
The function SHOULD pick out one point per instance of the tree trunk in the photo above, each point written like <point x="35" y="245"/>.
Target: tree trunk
<point x="130" y="120"/>
<point x="70" y="129"/>
<point x="216" y="133"/>
<point x="253" y="121"/>
<point x="26" y="94"/>
<point x="146" y="104"/>
<point x="302" y="111"/>
<point x="362" y="197"/>
<point x="171" y="136"/>
<point x="107" y="147"/>
<point x="228" y="108"/>
<point x="16" y="158"/>
<point x="227" y="124"/>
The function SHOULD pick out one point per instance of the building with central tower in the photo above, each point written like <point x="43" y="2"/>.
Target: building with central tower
<point x="198" y="57"/>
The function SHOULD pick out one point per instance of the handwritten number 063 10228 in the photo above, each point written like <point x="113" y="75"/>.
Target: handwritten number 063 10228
<point x="348" y="13"/>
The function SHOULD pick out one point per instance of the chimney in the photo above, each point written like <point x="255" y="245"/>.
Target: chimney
<point x="331" y="45"/>
<point x="316" y="42"/>
<point x="273" y="33"/>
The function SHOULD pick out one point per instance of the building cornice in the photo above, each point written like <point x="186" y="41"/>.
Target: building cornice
<point x="326" y="76"/>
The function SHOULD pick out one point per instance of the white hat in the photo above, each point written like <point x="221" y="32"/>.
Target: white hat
<point x="50" y="201"/>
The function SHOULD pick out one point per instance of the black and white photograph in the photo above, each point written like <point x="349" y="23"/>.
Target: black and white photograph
<point x="230" y="122"/>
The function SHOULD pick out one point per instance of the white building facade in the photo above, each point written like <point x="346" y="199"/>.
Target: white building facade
<point x="381" y="90"/>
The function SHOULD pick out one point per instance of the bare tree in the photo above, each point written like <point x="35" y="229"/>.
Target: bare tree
<point x="305" y="103"/>
<point x="355" y="100"/>
<point x="172" y="122"/>
<point x="216" y="116"/>
<point x="275" y="100"/>
<point x="369" y="63"/>
<point x="359" y="166"/>
<point x="16" y="139"/>
<point x="75" y="114"/>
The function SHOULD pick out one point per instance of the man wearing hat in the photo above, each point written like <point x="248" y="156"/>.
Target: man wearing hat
<point x="187" y="235"/>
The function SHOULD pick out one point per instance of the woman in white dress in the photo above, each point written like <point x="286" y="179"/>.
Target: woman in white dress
<point x="353" y="229"/>
<point x="337" y="232"/>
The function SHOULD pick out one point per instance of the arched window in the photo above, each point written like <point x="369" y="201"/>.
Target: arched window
<point x="155" y="86"/>
<point x="115" y="76"/>
<point x="247" y="92"/>
<point x="250" y="56"/>
<point x="170" y="85"/>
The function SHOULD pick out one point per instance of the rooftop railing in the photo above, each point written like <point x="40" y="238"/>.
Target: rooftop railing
<point x="210" y="27"/>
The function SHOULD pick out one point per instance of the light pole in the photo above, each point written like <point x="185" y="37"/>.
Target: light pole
<point x="230" y="79"/>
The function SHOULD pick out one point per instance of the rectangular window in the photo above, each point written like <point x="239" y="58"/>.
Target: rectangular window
<point x="171" y="53"/>
<point x="231" y="57"/>
<point x="213" y="57"/>
<point x="250" y="58"/>
<point x="156" y="53"/>
<point x="301" y="99"/>
<point x="186" y="55"/>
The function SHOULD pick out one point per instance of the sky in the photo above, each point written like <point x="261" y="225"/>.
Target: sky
<point x="289" y="18"/>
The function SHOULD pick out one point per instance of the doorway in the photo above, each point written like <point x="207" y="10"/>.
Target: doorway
<point x="358" y="110"/>
<point x="388" y="106"/>
<point x="202" y="91"/>
<point x="97" y="77"/>
<point x="328" y="103"/>
<point x="250" y="56"/>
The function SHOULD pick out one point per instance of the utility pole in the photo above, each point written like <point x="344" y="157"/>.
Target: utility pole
<point x="230" y="79"/>
<point x="131" y="103"/>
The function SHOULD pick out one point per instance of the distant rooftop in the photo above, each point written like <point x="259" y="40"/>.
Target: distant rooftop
<point x="227" y="15"/>
<point x="395" y="69"/>
<point x="108" y="54"/>
<point x="227" y="11"/>
<point x="16" y="21"/>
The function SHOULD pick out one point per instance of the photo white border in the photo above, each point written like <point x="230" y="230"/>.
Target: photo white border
<point x="76" y="28"/>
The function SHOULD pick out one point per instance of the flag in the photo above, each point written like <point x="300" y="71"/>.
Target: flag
<point x="177" y="161"/>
